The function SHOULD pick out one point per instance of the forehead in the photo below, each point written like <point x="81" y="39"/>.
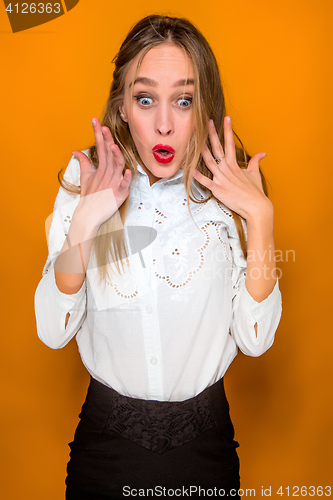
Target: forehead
<point x="164" y="63"/>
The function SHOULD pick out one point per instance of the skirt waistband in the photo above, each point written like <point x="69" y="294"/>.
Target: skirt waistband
<point x="158" y="426"/>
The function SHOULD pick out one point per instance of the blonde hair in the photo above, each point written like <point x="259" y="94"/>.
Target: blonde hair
<point x="208" y="103"/>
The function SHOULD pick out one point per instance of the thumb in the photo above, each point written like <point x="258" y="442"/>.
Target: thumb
<point x="85" y="164"/>
<point x="85" y="170"/>
<point x="254" y="162"/>
<point x="79" y="156"/>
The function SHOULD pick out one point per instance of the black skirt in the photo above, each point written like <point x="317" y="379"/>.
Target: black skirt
<point x="125" y="447"/>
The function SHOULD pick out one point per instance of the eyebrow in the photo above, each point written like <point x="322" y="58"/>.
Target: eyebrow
<point x="153" y="83"/>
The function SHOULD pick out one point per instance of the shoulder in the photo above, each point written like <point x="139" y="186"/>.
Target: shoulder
<point x="221" y="214"/>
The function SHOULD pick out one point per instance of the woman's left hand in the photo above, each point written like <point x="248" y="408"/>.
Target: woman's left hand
<point x="238" y="189"/>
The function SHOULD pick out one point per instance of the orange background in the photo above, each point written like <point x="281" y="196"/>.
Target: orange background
<point x="275" y="60"/>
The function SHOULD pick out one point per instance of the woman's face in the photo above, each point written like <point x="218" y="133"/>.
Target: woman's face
<point x="161" y="118"/>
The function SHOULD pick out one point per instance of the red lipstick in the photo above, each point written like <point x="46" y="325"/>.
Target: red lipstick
<point x="163" y="153"/>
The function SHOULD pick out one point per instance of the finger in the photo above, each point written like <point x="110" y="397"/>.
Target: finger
<point x="100" y="145"/>
<point x="254" y="162"/>
<point x="85" y="165"/>
<point x="108" y="139"/>
<point x="210" y="161"/>
<point x="229" y="143"/>
<point x="126" y="180"/>
<point x="110" y="160"/>
<point x="205" y="181"/>
<point x="113" y="152"/>
<point x="119" y="160"/>
<point x="85" y="169"/>
<point x="215" y="141"/>
<point x="254" y="170"/>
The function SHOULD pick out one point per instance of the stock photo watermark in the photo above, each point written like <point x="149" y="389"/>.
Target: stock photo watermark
<point x="264" y="491"/>
<point x="26" y="15"/>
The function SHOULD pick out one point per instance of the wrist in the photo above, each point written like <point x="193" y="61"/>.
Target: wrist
<point x="261" y="215"/>
<point x="81" y="229"/>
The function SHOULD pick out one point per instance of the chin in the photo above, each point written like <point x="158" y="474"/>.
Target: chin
<point x="160" y="170"/>
<point x="164" y="171"/>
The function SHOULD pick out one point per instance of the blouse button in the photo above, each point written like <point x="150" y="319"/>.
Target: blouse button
<point x="153" y="361"/>
<point x="256" y="313"/>
<point x="149" y="309"/>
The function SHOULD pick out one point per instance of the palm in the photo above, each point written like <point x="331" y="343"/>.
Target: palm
<point x="103" y="190"/>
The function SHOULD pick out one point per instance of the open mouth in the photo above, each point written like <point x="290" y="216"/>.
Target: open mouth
<point x="163" y="154"/>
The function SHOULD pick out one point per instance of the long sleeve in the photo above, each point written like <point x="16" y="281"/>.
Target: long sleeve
<point x="246" y="312"/>
<point x="51" y="305"/>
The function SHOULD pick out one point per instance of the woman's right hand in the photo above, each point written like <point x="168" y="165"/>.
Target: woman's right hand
<point x="104" y="189"/>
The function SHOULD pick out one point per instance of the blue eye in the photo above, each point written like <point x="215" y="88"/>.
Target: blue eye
<point x="145" y="101"/>
<point x="185" y="103"/>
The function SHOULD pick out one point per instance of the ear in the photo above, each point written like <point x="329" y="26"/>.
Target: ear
<point x="122" y="112"/>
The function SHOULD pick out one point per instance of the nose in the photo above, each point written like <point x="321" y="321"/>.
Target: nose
<point x="164" y="120"/>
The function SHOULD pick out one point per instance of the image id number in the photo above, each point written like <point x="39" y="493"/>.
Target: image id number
<point x="303" y="491"/>
<point x="34" y="8"/>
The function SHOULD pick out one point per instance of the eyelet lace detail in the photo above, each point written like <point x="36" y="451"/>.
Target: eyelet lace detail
<point x="176" y="253"/>
<point x="217" y="227"/>
<point x="223" y="209"/>
<point x="118" y="292"/>
<point x="159" y="216"/>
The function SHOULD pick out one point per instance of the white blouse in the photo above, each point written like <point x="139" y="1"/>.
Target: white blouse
<point x="171" y="324"/>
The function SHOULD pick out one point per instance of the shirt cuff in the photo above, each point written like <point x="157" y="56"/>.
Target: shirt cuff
<point x="258" y="310"/>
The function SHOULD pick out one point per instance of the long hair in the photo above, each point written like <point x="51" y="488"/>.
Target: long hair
<point x="208" y="103"/>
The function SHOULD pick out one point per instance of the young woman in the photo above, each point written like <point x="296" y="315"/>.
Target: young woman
<point x="160" y="262"/>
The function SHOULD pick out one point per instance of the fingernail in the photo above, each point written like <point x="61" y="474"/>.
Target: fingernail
<point x="228" y="119"/>
<point x="93" y="121"/>
<point x="211" y="123"/>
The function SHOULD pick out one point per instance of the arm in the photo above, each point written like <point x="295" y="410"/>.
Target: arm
<point x="246" y="311"/>
<point x="261" y="269"/>
<point x="241" y="191"/>
<point x="51" y="305"/>
<point x="102" y="192"/>
<point x="60" y="296"/>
